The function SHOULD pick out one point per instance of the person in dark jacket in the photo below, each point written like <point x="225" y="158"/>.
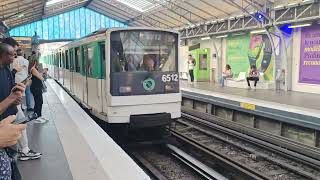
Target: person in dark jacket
<point x="10" y="97"/>
<point x="37" y="90"/>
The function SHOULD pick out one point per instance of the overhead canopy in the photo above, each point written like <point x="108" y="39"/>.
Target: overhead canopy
<point x="156" y="13"/>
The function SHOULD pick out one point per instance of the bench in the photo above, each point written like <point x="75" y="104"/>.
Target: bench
<point x="241" y="82"/>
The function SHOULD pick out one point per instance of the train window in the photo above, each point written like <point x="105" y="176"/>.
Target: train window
<point x="71" y="60"/>
<point x="77" y="59"/>
<point x="133" y="51"/>
<point x="84" y="54"/>
<point x="63" y="60"/>
<point x="67" y="59"/>
<point x="60" y="59"/>
<point x="89" y="60"/>
<point x="103" y="60"/>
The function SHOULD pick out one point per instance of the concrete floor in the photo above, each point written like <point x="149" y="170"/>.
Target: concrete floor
<point x="45" y="139"/>
<point x="299" y="99"/>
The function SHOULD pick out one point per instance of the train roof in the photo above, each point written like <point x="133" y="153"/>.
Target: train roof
<point x="102" y="31"/>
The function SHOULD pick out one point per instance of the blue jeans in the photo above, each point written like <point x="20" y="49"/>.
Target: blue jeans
<point x="28" y="97"/>
<point x="223" y="78"/>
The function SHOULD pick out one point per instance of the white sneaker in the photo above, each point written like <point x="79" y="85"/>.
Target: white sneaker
<point x="41" y="120"/>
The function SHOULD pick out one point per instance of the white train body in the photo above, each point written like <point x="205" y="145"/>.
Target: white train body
<point x="122" y="75"/>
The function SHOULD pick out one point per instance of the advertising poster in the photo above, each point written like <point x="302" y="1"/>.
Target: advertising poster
<point x="244" y="51"/>
<point x="310" y="55"/>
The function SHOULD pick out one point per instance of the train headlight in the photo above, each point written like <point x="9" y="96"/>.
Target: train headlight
<point x="125" y="89"/>
<point x="169" y="88"/>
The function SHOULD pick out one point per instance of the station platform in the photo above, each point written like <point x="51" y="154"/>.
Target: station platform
<point x="73" y="146"/>
<point x="297" y="108"/>
<point x="292" y="117"/>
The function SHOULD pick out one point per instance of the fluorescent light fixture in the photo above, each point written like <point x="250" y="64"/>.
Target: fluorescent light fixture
<point x="278" y="7"/>
<point x="20" y="15"/>
<point x="238" y="34"/>
<point x="52" y="2"/>
<point x="258" y="31"/>
<point x="222" y="36"/>
<point x="299" y="25"/>
<point x="142" y="5"/>
<point x="205" y="38"/>
<point x="292" y="4"/>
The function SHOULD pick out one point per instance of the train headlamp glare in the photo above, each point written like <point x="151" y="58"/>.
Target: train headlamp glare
<point x="169" y="88"/>
<point x="125" y="89"/>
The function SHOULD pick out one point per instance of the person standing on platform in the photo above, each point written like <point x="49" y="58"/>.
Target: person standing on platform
<point x="191" y="65"/>
<point x="10" y="98"/>
<point x="21" y="65"/>
<point x="227" y="73"/>
<point x="26" y="153"/>
<point x="253" y="76"/>
<point x="37" y="90"/>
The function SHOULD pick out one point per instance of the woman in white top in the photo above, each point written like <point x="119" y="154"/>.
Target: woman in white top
<point x="227" y="73"/>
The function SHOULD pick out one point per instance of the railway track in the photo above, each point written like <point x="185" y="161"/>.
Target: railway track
<point x="242" y="154"/>
<point x="170" y="163"/>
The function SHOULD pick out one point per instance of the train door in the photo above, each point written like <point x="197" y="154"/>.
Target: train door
<point x="56" y="66"/>
<point x="72" y="68"/>
<point x="66" y="70"/>
<point x="85" y="71"/>
<point x="78" y="78"/>
<point x="93" y="76"/>
<point x="103" y="82"/>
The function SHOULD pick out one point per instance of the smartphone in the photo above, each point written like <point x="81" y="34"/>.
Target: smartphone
<point x="27" y="119"/>
<point x="25" y="81"/>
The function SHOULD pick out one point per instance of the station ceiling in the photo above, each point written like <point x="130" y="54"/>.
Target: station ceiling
<point x="156" y="13"/>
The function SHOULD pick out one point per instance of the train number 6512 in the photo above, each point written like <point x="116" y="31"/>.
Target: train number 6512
<point x="170" y="77"/>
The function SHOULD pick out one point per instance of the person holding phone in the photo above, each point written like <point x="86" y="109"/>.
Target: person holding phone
<point x="10" y="97"/>
<point x="20" y="74"/>
<point x="20" y="65"/>
<point x="37" y="90"/>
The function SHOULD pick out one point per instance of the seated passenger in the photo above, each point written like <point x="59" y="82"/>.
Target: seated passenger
<point x="253" y="76"/>
<point x="148" y="63"/>
<point x="227" y="73"/>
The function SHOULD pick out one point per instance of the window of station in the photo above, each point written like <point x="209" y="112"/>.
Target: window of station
<point x="77" y="59"/>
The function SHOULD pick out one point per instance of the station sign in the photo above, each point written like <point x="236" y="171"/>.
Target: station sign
<point x="24" y="42"/>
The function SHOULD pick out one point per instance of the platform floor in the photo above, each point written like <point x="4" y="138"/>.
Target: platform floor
<point x="74" y="147"/>
<point x="44" y="138"/>
<point x="292" y="98"/>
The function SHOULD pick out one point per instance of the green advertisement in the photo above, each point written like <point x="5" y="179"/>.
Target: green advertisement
<point x="244" y="51"/>
<point x="202" y="68"/>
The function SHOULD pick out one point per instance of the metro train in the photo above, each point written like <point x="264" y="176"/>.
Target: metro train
<point x="123" y="76"/>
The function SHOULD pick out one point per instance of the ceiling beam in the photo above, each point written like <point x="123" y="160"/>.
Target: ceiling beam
<point x="112" y="8"/>
<point x="11" y="9"/>
<point x="214" y="7"/>
<point x="13" y="15"/>
<point x="161" y="19"/>
<point x="103" y="11"/>
<point x="201" y="10"/>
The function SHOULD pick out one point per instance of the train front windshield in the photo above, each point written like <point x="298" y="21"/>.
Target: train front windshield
<point x="143" y="62"/>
